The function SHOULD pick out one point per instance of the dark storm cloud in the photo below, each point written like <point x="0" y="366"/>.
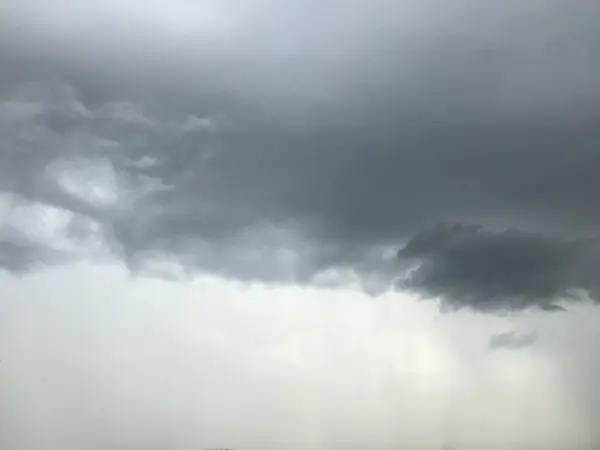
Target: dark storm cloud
<point x="277" y="141"/>
<point x="512" y="340"/>
<point x="469" y="266"/>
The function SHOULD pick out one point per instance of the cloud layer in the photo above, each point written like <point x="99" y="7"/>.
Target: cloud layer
<point x="269" y="142"/>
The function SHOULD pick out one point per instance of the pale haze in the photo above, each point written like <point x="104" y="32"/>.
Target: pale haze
<point x="250" y="224"/>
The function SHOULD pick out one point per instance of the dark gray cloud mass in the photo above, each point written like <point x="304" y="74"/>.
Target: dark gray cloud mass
<point x="473" y="267"/>
<point x="283" y="142"/>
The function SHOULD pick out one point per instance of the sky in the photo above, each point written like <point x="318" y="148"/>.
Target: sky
<point x="294" y="224"/>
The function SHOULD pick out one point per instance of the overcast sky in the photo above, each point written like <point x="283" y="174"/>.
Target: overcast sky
<point x="299" y="224"/>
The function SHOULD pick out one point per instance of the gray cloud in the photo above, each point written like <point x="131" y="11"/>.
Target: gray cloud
<point x="511" y="340"/>
<point x="298" y="142"/>
<point x="272" y="142"/>
<point x="469" y="266"/>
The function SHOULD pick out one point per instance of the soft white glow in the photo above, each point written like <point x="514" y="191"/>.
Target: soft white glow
<point x="92" y="357"/>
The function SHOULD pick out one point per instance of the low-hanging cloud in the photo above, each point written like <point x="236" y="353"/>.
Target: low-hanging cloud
<point x="469" y="266"/>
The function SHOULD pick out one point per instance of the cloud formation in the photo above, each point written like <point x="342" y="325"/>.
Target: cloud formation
<point x="271" y="142"/>
<point x="511" y="340"/>
<point x="469" y="266"/>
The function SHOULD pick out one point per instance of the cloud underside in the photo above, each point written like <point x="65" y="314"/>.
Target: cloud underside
<point x="254" y="167"/>
<point x="469" y="266"/>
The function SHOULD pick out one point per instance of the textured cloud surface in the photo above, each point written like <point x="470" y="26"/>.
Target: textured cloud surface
<point x="300" y="143"/>
<point x="470" y="266"/>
